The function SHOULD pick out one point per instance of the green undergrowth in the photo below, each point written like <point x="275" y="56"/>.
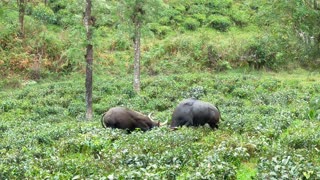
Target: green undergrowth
<point x="270" y="128"/>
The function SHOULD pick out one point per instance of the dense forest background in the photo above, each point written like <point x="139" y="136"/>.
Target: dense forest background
<point x="177" y="36"/>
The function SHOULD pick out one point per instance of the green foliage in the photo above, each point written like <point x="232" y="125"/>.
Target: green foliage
<point x="219" y="22"/>
<point x="265" y="52"/>
<point x="141" y="11"/>
<point x="221" y="4"/>
<point x="270" y="120"/>
<point x="159" y="30"/>
<point x="195" y="92"/>
<point x="119" y="43"/>
<point x="240" y="14"/>
<point x="211" y="168"/>
<point x="292" y="24"/>
<point x="223" y="65"/>
<point x="302" y="134"/>
<point x="266" y="130"/>
<point x="314" y="112"/>
<point x="260" y="35"/>
<point x="68" y="13"/>
<point x="191" y="24"/>
<point x="7" y="30"/>
<point x="287" y="166"/>
<point x="44" y="13"/>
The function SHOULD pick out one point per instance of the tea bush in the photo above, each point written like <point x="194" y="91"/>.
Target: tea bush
<point x="285" y="166"/>
<point x="211" y="168"/>
<point x="302" y="135"/>
<point x="191" y="24"/>
<point x="219" y="22"/>
<point x="314" y="108"/>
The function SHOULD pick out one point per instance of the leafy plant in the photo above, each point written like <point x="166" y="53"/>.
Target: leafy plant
<point x="219" y="22"/>
<point x="191" y="24"/>
<point x="287" y="167"/>
<point x="44" y="14"/>
<point x="314" y="105"/>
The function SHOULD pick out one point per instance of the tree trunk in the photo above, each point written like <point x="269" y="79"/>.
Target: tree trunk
<point x="21" y="4"/>
<point x="137" y="54"/>
<point x="89" y="59"/>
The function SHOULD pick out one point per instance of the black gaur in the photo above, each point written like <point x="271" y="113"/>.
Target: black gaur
<point x="192" y="112"/>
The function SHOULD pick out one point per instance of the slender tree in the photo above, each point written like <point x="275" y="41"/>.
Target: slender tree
<point x="22" y="9"/>
<point x="139" y="13"/>
<point x="89" y="22"/>
<point x="137" y="21"/>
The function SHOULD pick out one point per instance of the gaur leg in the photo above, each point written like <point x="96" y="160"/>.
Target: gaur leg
<point x="185" y="121"/>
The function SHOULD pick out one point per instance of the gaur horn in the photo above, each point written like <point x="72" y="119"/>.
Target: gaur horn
<point x="149" y="116"/>
<point x="164" y="123"/>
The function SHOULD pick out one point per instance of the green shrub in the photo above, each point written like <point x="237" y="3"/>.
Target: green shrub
<point x="75" y="109"/>
<point x="159" y="30"/>
<point x="7" y="33"/>
<point x="200" y="17"/>
<point x="220" y="4"/>
<point x="240" y="13"/>
<point x="195" y="92"/>
<point x="119" y="42"/>
<point x="287" y="166"/>
<point x="212" y="167"/>
<point x="242" y="92"/>
<point x="223" y="65"/>
<point x="232" y="154"/>
<point x="219" y="22"/>
<point x="268" y="51"/>
<point x="9" y="104"/>
<point x="191" y="24"/>
<point x="44" y="13"/>
<point x="302" y="135"/>
<point x="314" y="108"/>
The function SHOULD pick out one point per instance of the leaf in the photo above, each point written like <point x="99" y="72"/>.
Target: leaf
<point x="272" y="173"/>
<point x="111" y="176"/>
<point x="307" y="174"/>
<point x="312" y="114"/>
<point x="285" y="176"/>
<point x="76" y="177"/>
<point x="285" y="161"/>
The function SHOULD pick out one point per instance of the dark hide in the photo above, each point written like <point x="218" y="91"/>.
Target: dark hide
<point x="123" y="118"/>
<point x="192" y="112"/>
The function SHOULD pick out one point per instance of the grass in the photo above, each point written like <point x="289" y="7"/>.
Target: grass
<point x="267" y="124"/>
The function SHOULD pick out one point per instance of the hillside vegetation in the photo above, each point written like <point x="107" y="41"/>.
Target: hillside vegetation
<point x="179" y="36"/>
